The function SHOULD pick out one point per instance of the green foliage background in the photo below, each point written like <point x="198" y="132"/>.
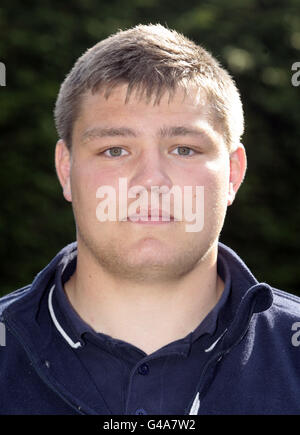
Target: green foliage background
<point x="257" y="40"/>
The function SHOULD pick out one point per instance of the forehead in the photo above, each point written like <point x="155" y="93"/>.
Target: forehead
<point x="183" y="107"/>
<point x="119" y="100"/>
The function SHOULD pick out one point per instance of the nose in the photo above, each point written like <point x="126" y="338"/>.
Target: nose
<point x="151" y="171"/>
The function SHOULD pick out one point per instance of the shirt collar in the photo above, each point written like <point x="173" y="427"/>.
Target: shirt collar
<point x="74" y="326"/>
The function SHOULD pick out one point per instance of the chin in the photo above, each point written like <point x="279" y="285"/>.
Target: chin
<point x="151" y="253"/>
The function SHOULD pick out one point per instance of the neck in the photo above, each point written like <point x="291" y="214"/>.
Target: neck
<point x="147" y="315"/>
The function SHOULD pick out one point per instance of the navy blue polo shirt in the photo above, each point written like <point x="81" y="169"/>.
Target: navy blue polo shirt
<point x="127" y="379"/>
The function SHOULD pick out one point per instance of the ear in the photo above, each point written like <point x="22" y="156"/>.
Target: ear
<point x="63" y="165"/>
<point x="238" y="166"/>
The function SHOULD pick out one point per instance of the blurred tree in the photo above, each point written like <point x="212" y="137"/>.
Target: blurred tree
<point x="257" y="40"/>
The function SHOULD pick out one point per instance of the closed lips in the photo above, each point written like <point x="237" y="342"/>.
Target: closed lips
<point x="154" y="214"/>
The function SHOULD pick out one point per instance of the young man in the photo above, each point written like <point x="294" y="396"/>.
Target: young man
<point x="149" y="315"/>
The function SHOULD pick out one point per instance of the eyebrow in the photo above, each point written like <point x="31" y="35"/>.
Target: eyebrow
<point x="181" y="131"/>
<point x="167" y="131"/>
<point x="107" y="132"/>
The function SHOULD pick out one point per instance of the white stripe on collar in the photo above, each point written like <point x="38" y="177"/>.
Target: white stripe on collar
<point x="57" y="325"/>
<point x="215" y="342"/>
<point x="196" y="403"/>
<point x="195" y="406"/>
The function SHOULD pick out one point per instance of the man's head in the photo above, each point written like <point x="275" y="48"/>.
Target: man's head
<point x="150" y="106"/>
<point x="151" y="60"/>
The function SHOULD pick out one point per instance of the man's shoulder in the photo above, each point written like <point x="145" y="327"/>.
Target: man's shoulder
<point x="281" y="319"/>
<point x="284" y="302"/>
<point x="14" y="296"/>
<point x="41" y="280"/>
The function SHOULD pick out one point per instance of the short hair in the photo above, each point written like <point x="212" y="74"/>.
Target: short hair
<point x="150" y="59"/>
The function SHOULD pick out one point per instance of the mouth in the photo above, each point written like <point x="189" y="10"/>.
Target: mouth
<point x="152" y="217"/>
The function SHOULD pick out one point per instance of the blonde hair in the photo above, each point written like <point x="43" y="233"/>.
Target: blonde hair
<point x="151" y="60"/>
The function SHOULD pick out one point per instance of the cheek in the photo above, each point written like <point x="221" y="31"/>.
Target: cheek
<point x="212" y="175"/>
<point x="218" y="173"/>
<point x="215" y="179"/>
<point x="85" y="182"/>
<point x="216" y="198"/>
<point x="87" y="178"/>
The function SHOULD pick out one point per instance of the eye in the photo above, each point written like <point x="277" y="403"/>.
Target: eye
<point x="184" y="151"/>
<point x="114" y="152"/>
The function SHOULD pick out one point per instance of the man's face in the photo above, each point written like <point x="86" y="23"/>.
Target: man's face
<point x="170" y="144"/>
